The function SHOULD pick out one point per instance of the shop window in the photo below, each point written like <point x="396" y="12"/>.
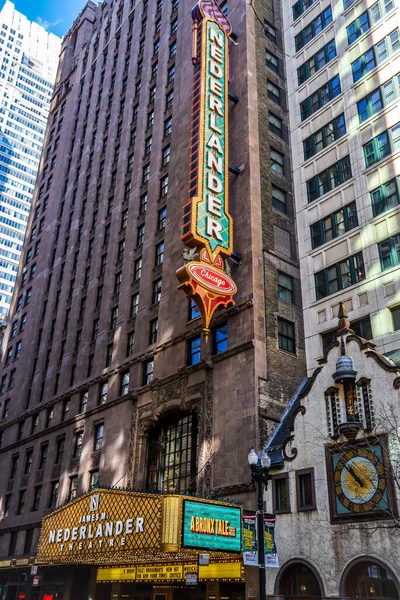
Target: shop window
<point x="172" y="456"/>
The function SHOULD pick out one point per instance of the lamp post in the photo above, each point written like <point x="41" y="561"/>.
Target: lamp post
<point x="259" y="465"/>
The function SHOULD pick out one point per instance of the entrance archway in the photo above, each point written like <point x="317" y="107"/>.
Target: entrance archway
<point x="368" y="579"/>
<point x="297" y="579"/>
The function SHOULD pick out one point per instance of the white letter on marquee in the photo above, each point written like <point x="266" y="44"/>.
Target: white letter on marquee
<point x="215" y="69"/>
<point x="139" y="524"/>
<point x="128" y="526"/>
<point x="214" y="162"/>
<point x="217" y="37"/>
<point x="216" y="105"/>
<point x="214" y="205"/>
<point x="213" y="227"/>
<point x="214" y="142"/>
<point x="213" y="183"/>
<point x="119" y="526"/>
<point x="52" y="536"/>
<point x="215" y="86"/>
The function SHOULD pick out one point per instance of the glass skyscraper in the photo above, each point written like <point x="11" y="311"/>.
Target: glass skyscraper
<point x="28" y="65"/>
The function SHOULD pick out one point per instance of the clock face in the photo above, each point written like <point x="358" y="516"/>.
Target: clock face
<point x="359" y="479"/>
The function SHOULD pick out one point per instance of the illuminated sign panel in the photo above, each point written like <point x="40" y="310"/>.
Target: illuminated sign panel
<point x="207" y="225"/>
<point x="211" y="526"/>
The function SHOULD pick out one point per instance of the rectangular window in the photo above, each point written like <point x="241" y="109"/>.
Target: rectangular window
<point x="143" y="204"/>
<point x="54" y="489"/>
<point x="277" y="162"/>
<point x="59" y="451"/>
<point x="137" y="271"/>
<point x="275" y="125"/>
<point x="103" y="393"/>
<point x="148" y="371"/>
<point x="286" y="336"/>
<point x="21" y="502"/>
<point x="395" y="312"/>
<point x="382" y="145"/>
<point x="370" y="105"/>
<point x="280" y="493"/>
<point x="339" y="276"/>
<point x="156" y="296"/>
<point x="220" y="338"/>
<point x="109" y="352"/>
<point x="161" y="218"/>
<point x="385" y="197"/>
<point x="305" y="489"/>
<point x="300" y="7"/>
<point x="159" y="254"/>
<point x="285" y="288"/>
<point x="194" y="350"/>
<point x="78" y="443"/>
<point x="164" y="186"/>
<point x="98" y="437"/>
<point x="28" y="462"/>
<point x="375" y="55"/>
<point x="36" y="498"/>
<point x="73" y="486"/>
<point x="153" y="332"/>
<point x="328" y="179"/>
<point x="324" y="137"/>
<point x="273" y="92"/>
<point x="167" y="126"/>
<point x="130" y="343"/>
<point x="333" y="225"/>
<point x="272" y="61"/>
<point x="134" y="305"/>
<point x="313" y="29"/>
<point x="140" y="235"/>
<point x="43" y="456"/>
<point x="316" y="62"/>
<point x="83" y="402"/>
<point x="124" y="383"/>
<point x="358" y="27"/>
<point x="363" y="328"/>
<point x="114" y="317"/>
<point x="93" y="479"/>
<point x="49" y="417"/>
<point x="389" y="252"/>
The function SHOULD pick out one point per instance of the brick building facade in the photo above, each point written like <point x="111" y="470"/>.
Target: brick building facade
<point x="110" y="370"/>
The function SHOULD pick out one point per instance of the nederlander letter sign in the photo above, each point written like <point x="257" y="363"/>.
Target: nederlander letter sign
<point x="207" y="225"/>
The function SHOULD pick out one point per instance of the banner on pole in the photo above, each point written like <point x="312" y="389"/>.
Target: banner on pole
<point x="250" y="545"/>
<point x="271" y="556"/>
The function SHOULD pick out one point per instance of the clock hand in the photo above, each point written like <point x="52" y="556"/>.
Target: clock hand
<point x="350" y="470"/>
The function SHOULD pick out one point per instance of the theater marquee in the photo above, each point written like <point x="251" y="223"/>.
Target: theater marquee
<point x="207" y="224"/>
<point x="145" y="531"/>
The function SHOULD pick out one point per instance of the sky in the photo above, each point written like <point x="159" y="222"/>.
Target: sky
<point x="56" y="16"/>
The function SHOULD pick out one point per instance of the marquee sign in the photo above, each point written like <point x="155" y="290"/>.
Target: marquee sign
<point x="99" y="525"/>
<point x="207" y="224"/>
<point x="115" y="527"/>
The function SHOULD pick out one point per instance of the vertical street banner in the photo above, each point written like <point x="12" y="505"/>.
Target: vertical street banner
<point x="207" y="224"/>
<point x="250" y="543"/>
<point x="271" y="556"/>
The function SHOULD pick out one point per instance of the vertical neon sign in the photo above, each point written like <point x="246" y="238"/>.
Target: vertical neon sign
<point x="207" y="224"/>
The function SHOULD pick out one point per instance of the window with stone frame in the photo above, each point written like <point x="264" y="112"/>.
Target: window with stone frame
<point x="172" y="455"/>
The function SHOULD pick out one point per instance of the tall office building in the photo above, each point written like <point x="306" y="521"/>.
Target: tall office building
<point x="28" y="65"/>
<point x="343" y="66"/>
<point x="107" y="376"/>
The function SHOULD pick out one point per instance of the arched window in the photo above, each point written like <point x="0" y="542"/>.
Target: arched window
<point x="368" y="580"/>
<point x="172" y="455"/>
<point x="298" y="581"/>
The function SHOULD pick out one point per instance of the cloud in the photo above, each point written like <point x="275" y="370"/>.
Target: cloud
<point x="47" y="24"/>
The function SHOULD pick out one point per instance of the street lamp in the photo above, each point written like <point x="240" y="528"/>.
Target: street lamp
<point x="259" y="465"/>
